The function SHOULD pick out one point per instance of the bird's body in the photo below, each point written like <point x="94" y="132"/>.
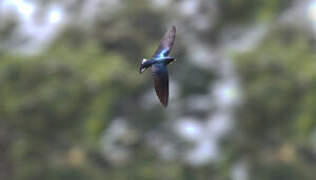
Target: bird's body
<point x="158" y="64"/>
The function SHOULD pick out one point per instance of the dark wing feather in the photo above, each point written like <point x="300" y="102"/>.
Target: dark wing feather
<point x="166" y="43"/>
<point x="161" y="81"/>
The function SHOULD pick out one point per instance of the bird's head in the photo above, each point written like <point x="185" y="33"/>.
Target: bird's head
<point x="144" y="65"/>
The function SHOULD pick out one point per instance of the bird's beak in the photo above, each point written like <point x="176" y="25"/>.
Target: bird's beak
<point x="141" y="70"/>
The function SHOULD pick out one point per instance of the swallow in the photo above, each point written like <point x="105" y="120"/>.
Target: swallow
<point x="158" y="63"/>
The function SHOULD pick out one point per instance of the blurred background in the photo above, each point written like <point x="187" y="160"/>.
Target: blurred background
<point x="242" y="92"/>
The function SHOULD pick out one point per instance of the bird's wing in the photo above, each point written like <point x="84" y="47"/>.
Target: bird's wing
<point x="166" y="43"/>
<point x="161" y="81"/>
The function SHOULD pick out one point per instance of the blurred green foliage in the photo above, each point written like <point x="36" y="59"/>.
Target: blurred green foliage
<point x="277" y="114"/>
<point x="57" y="105"/>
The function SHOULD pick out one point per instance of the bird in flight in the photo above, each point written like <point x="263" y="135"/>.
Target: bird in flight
<point x="158" y="64"/>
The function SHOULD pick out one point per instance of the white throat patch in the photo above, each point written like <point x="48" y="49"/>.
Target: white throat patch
<point x="144" y="60"/>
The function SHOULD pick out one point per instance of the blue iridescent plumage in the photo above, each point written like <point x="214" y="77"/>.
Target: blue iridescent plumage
<point x="161" y="54"/>
<point x="159" y="63"/>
